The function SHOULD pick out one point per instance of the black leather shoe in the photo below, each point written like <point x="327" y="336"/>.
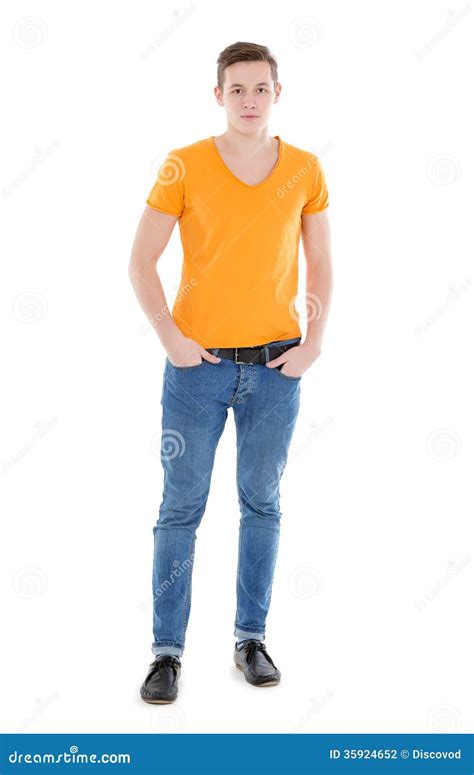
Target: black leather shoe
<point x="256" y="663"/>
<point x="161" y="682"/>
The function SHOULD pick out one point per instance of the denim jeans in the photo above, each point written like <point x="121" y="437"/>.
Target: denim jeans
<point x="195" y="401"/>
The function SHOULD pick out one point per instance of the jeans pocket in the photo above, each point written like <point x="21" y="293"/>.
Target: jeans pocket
<point x="186" y="368"/>
<point x="286" y="376"/>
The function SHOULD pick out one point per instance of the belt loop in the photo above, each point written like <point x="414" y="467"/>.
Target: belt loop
<point x="267" y="354"/>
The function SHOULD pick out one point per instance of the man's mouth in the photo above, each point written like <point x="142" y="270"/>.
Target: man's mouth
<point x="249" y="115"/>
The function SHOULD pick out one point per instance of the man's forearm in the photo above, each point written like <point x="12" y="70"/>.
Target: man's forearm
<point x="151" y="296"/>
<point x="318" y="300"/>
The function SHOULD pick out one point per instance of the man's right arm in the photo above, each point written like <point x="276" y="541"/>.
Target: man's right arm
<point x="153" y="234"/>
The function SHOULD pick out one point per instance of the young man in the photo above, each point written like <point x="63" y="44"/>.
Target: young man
<point x="233" y="339"/>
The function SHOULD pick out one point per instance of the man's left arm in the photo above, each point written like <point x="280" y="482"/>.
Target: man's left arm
<point x="315" y="233"/>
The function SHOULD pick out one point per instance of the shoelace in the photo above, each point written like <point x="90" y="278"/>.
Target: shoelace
<point x="256" y="645"/>
<point x="166" y="659"/>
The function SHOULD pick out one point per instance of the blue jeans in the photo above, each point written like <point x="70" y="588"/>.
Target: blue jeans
<point x="195" y="401"/>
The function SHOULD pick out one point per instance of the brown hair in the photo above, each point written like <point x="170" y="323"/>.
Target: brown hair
<point x="245" y="52"/>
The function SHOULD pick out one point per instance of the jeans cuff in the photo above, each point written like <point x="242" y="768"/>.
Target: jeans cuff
<point x="157" y="650"/>
<point x="247" y="634"/>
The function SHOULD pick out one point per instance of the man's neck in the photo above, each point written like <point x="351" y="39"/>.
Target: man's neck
<point x="245" y="146"/>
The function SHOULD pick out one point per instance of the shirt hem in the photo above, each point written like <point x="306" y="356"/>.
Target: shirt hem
<point x="312" y="212"/>
<point x="162" y="210"/>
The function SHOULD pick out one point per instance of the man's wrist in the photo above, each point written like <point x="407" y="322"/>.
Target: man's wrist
<point x="313" y="345"/>
<point x="168" y="332"/>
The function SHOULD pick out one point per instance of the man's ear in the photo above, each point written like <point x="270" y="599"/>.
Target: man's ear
<point x="218" y="95"/>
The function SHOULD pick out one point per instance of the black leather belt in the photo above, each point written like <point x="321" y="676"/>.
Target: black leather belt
<point x="252" y="354"/>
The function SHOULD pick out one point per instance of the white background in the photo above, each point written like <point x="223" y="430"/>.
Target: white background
<point x="372" y="605"/>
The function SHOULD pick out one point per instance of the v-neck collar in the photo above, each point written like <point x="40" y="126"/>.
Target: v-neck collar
<point x="242" y="182"/>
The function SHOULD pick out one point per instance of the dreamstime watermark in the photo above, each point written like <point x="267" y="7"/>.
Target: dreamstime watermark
<point x="155" y="320"/>
<point x="321" y="152"/>
<point x="180" y="15"/>
<point x="315" y="430"/>
<point x="313" y="306"/>
<point x="453" y="570"/>
<point x="168" y="444"/>
<point x="443" y="718"/>
<point x="72" y="756"/>
<point x="30" y="582"/>
<point x="165" y="312"/>
<point x="168" y="719"/>
<point x="297" y="178"/>
<point x="29" y="307"/>
<point x="452" y="296"/>
<point x="443" y="169"/>
<point x="316" y="706"/>
<point x="453" y="18"/>
<point x="40" y="430"/>
<point x="40" y="156"/>
<point x="305" y="582"/>
<point x="40" y="706"/>
<point x="305" y="31"/>
<point x="171" y="169"/>
<point x="178" y="570"/>
<point x="185" y="289"/>
<point x="443" y="444"/>
<point x="29" y="32"/>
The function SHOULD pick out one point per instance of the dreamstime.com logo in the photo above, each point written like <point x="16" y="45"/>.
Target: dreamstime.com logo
<point x="297" y="177"/>
<point x="170" y="169"/>
<point x="69" y="757"/>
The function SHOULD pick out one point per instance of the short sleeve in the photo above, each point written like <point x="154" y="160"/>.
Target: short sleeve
<point x="167" y="193"/>
<point x="318" y="197"/>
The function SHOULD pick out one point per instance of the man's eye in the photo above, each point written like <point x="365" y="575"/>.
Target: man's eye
<point x="260" y="88"/>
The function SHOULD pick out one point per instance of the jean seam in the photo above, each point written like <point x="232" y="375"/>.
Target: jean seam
<point x="238" y="578"/>
<point x="187" y="596"/>
<point x="239" y="550"/>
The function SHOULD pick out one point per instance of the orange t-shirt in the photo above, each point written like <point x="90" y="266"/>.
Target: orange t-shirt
<point x="239" y="277"/>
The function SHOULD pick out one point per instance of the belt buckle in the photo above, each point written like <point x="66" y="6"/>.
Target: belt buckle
<point x="236" y="350"/>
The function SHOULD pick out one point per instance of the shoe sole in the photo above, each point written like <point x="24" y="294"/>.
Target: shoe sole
<point x="267" y="683"/>
<point x="158" y="702"/>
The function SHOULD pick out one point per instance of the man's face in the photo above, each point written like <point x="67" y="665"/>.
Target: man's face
<point x="248" y="91"/>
